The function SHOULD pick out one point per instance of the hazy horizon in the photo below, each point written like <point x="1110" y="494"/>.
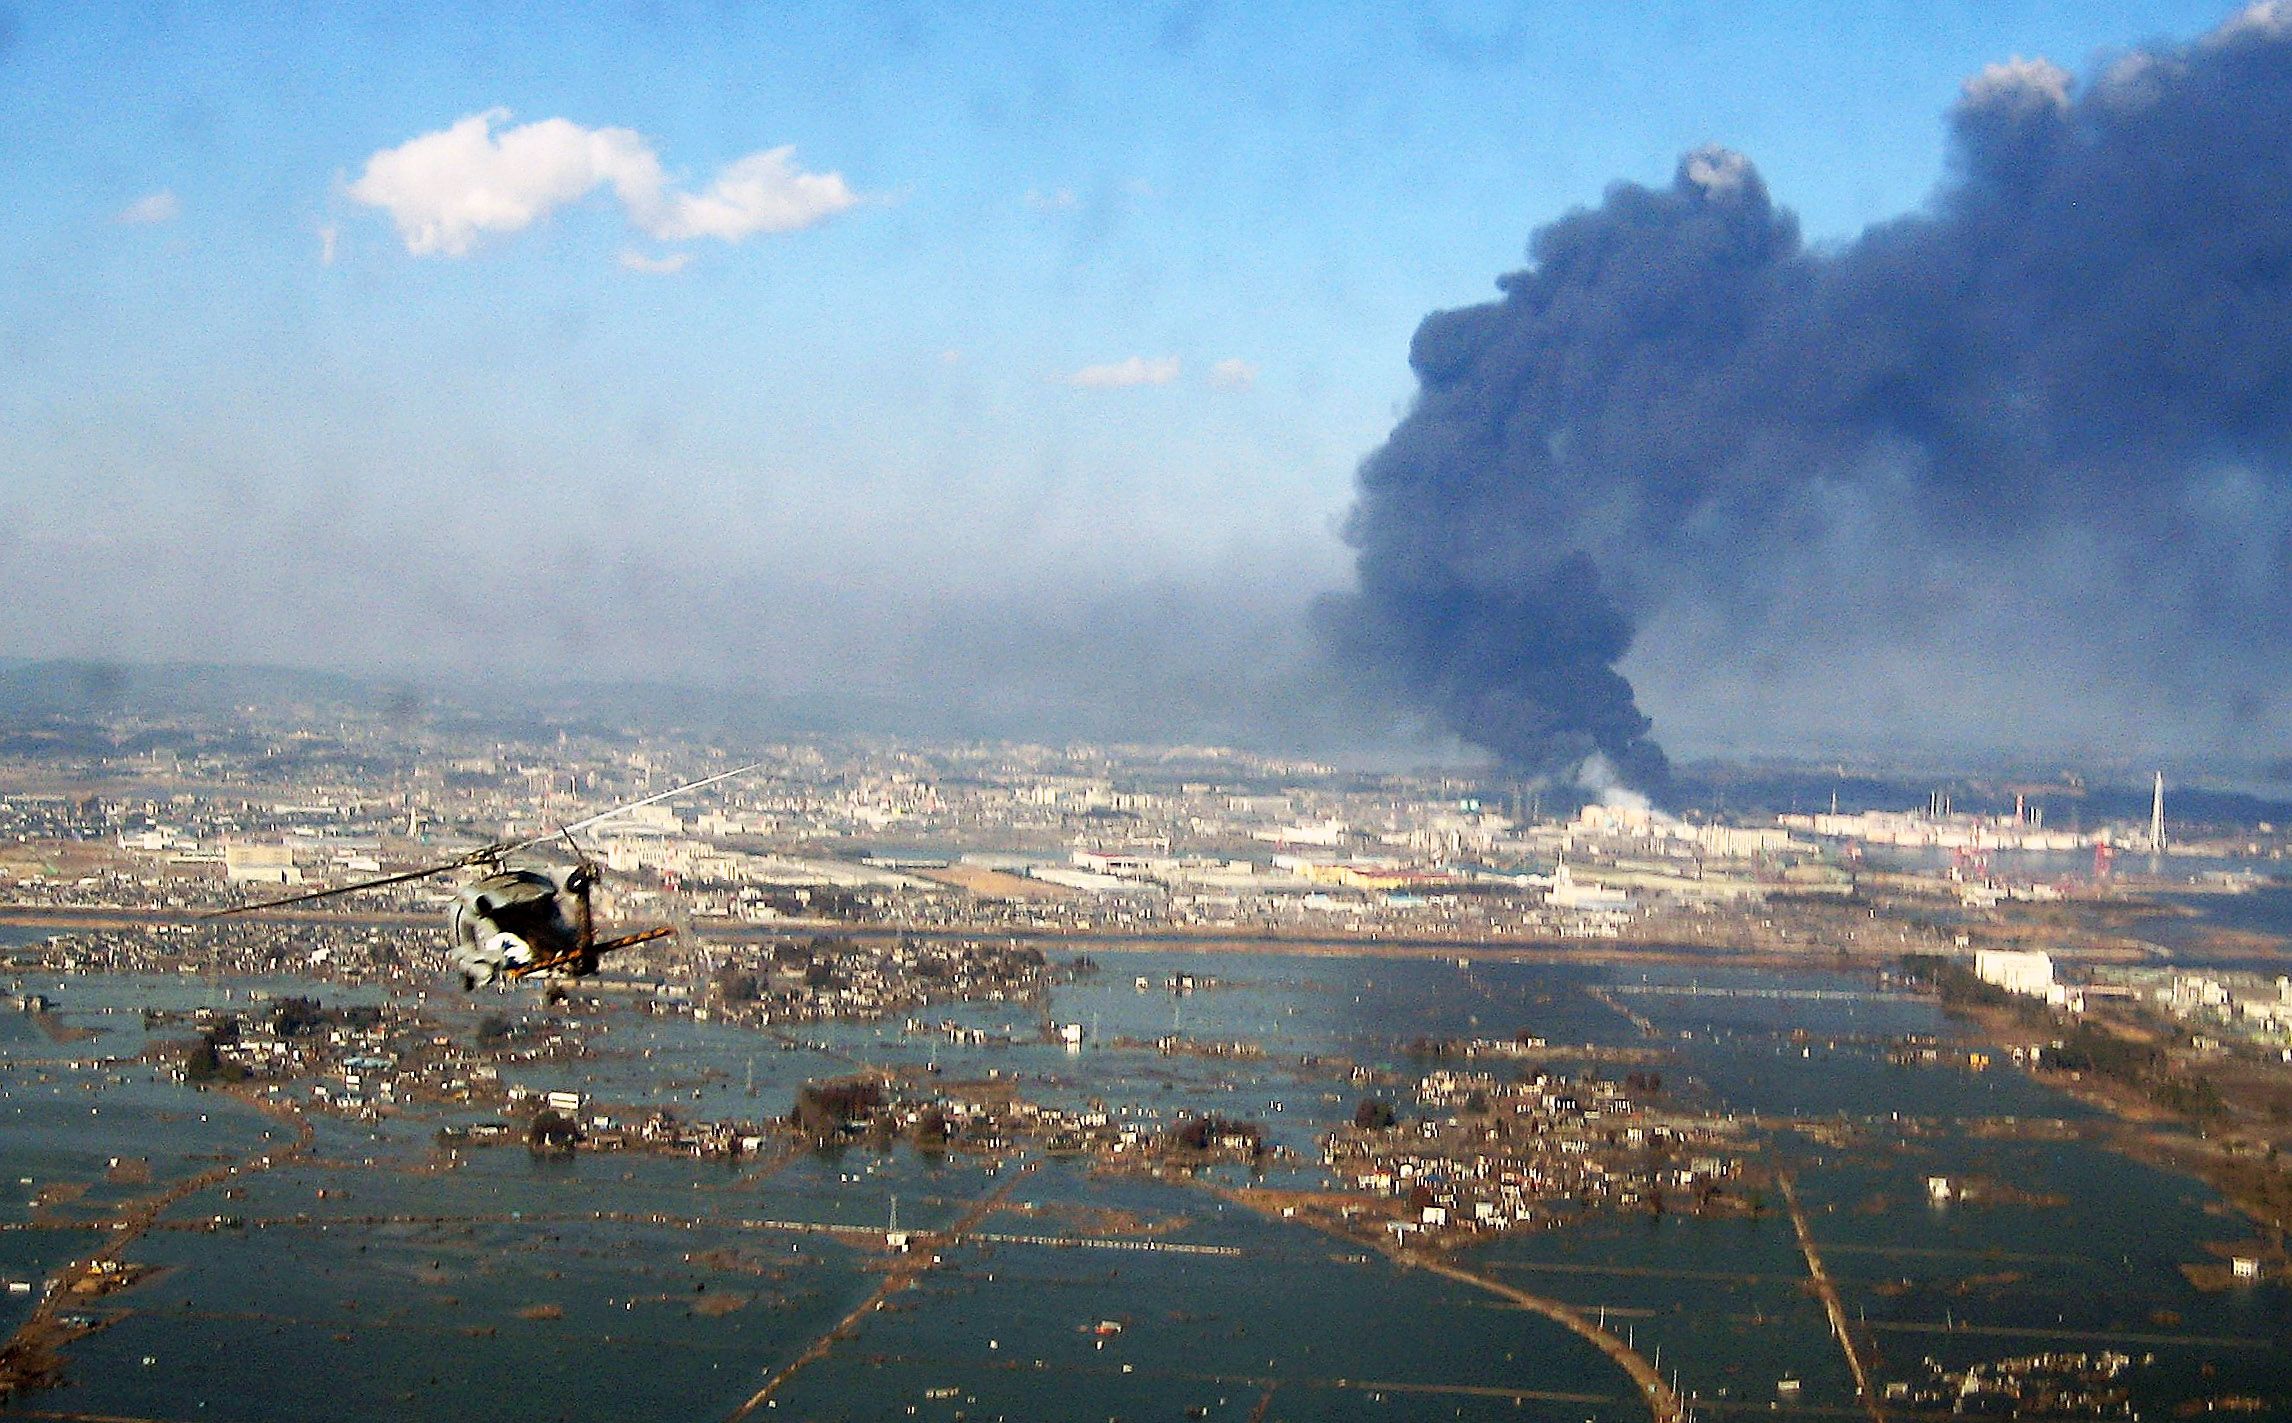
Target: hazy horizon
<point x="1021" y="375"/>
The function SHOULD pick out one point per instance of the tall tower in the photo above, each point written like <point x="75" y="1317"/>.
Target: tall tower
<point x="2157" y="817"/>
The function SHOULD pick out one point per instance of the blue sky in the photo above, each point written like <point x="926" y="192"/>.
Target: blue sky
<point x="836" y="453"/>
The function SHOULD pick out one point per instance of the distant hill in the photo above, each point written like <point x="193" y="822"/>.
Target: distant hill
<point x="57" y="694"/>
<point x="49" y="689"/>
<point x="72" y="707"/>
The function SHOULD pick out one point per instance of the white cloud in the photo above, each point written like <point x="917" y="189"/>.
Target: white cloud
<point x="667" y="265"/>
<point x="764" y="192"/>
<point x="1124" y="374"/>
<point x="1056" y="200"/>
<point x="161" y="206"/>
<point x="328" y="234"/>
<point x="445" y="190"/>
<point x="1233" y="373"/>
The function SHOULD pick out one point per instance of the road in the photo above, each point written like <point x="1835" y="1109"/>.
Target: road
<point x="1831" y="1304"/>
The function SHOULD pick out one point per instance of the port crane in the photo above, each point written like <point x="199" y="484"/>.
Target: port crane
<point x="514" y="922"/>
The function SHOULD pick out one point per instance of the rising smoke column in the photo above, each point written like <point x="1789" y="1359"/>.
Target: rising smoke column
<point x="2070" y="377"/>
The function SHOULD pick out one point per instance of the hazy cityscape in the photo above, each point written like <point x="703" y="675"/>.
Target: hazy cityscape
<point x="1471" y="710"/>
<point x="936" y="1012"/>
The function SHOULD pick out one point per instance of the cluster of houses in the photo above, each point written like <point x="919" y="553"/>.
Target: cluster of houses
<point x="1490" y="1155"/>
<point x="359" y="1061"/>
<point x="824" y="978"/>
<point x="654" y="1129"/>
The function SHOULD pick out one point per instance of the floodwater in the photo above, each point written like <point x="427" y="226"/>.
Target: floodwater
<point x="379" y="1278"/>
<point x="2266" y="909"/>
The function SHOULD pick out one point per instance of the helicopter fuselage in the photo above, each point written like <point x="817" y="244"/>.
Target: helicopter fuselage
<point x="518" y="923"/>
<point x="507" y="922"/>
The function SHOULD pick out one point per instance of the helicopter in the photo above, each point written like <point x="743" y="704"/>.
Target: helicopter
<point x="514" y="922"/>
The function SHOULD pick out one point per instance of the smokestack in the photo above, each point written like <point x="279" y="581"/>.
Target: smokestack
<point x="2157" y="817"/>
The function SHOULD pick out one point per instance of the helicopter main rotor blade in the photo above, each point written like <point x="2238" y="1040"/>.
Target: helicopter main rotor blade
<point x="626" y="806"/>
<point x="490" y="853"/>
<point x="405" y="877"/>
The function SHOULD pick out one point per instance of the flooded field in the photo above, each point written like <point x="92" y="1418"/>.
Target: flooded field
<point x="402" y="1277"/>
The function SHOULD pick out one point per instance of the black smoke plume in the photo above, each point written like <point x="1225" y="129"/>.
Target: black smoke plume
<point x="2066" y="382"/>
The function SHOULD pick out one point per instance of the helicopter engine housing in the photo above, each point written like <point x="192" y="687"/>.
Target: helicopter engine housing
<point x="511" y="919"/>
